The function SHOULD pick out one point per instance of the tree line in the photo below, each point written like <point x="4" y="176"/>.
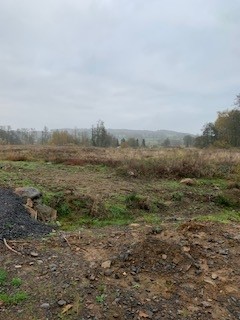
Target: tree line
<point x="99" y="137"/>
<point x="224" y="132"/>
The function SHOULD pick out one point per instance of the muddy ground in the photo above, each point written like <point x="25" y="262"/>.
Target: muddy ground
<point x="173" y="271"/>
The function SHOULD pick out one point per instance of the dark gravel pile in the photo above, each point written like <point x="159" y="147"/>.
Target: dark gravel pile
<point x="15" y="221"/>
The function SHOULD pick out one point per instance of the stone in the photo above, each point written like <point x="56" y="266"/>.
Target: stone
<point x="32" y="212"/>
<point x="206" y="304"/>
<point x="30" y="203"/>
<point x="45" y="305"/>
<point x="214" y="276"/>
<point x="61" y="303"/>
<point x="34" y="254"/>
<point x="45" y="213"/>
<point x="106" y="264"/>
<point x="188" y="182"/>
<point x="53" y="267"/>
<point x="108" y="272"/>
<point x="28" y="192"/>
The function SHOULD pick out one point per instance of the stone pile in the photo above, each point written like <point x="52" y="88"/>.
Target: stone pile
<point x="32" y="200"/>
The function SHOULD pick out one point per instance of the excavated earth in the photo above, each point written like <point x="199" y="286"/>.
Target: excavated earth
<point x="176" y="271"/>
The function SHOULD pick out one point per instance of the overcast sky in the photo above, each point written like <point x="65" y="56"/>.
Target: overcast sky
<point x="136" y="64"/>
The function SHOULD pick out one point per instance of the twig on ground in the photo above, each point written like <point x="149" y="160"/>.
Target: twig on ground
<point x="10" y="248"/>
<point x="66" y="241"/>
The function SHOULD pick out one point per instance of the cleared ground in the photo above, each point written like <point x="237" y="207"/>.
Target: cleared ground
<point x="162" y="252"/>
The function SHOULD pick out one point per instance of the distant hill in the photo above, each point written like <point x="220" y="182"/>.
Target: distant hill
<point x="151" y="137"/>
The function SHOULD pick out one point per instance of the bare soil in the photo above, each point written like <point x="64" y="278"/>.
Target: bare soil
<point x="187" y="271"/>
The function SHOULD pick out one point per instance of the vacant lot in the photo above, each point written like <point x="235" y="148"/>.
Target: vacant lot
<point x="134" y="242"/>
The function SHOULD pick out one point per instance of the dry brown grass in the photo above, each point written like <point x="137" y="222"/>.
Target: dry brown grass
<point x="142" y="162"/>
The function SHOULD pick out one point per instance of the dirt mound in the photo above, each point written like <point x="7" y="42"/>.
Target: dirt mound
<point x="191" y="271"/>
<point x="15" y="220"/>
<point x="136" y="272"/>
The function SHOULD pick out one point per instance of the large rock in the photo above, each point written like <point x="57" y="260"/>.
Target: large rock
<point x="28" y="192"/>
<point x="45" y="213"/>
<point x="32" y="199"/>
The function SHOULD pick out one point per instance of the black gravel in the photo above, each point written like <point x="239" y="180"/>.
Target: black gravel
<point x="15" y="221"/>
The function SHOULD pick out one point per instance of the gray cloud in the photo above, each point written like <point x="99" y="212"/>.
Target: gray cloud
<point x="133" y="63"/>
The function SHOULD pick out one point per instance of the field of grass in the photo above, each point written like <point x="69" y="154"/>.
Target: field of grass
<point x="98" y="187"/>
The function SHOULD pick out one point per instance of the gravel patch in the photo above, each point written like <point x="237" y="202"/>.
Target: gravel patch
<point x="15" y="221"/>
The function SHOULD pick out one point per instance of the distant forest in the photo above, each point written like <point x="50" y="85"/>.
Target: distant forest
<point x="223" y="133"/>
<point x="97" y="136"/>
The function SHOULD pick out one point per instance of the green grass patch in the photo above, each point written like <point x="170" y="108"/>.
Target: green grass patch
<point x="13" y="298"/>
<point x="9" y="293"/>
<point x="222" y="217"/>
<point x="93" y="222"/>
<point x="16" y="282"/>
<point x="152" y="218"/>
<point x="101" y="298"/>
<point x="3" y="276"/>
<point x="177" y="196"/>
<point x="170" y="185"/>
<point x="220" y="183"/>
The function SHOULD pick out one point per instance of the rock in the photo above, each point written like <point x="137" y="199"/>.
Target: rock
<point x="45" y="213"/>
<point x="28" y="192"/>
<point x="34" y="254"/>
<point x="45" y="305"/>
<point x="214" y="276"/>
<point x="30" y="203"/>
<point x="58" y="223"/>
<point x="108" y="272"/>
<point x="53" y="267"/>
<point x="164" y="256"/>
<point x="134" y="225"/>
<point x="106" y="264"/>
<point x="147" y="314"/>
<point x="206" y="304"/>
<point x="188" y="182"/>
<point x="32" y="212"/>
<point x="132" y="174"/>
<point x="156" y="230"/>
<point x="62" y="303"/>
<point x="224" y="252"/>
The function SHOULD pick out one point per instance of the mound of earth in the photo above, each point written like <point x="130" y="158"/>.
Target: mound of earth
<point x="15" y="220"/>
<point x="173" y="272"/>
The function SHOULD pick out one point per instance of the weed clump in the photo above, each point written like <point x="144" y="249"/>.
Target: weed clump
<point x="134" y="201"/>
<point x="9" y="289"/>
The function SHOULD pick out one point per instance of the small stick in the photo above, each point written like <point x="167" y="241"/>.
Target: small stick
<point x="10" y="248"/>
<point x="67" y="241"/>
